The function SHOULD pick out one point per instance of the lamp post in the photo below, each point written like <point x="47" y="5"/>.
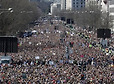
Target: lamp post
<point x="6" y="10"/>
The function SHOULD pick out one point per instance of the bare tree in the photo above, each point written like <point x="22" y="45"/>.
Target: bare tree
<point x="21" y="14"/>
<point x="91" y="17"/>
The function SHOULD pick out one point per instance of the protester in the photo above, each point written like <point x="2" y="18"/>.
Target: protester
<point x="42" y="58"/>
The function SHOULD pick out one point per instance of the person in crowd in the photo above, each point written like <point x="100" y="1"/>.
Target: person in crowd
<point x="48" y="58"/>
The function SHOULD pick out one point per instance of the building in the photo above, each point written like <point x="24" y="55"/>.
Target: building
<point x="55" y="7"/>
<point x="101" y="4"/>
<point x="68" y="4"/>
<point x="72" y="4"/>
<point x="111" y="8"/>
<point x="78" y="4"/>
<point x="54" y="1"/>
<point x="93" y="3"/>
<point x="63" y="4"/>
<point x="108" y="7"/>
<point x="104" y="6"/>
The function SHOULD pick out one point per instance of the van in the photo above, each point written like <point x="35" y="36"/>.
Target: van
<point x="5" y="60"/>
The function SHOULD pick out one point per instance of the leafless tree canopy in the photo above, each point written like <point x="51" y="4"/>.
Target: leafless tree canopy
<point x="91" y="17"/>
<point x="15" y="15"/>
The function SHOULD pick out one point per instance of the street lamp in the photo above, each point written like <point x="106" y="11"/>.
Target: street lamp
<point x="6" y="10"/>
<point x="10" y="9"/>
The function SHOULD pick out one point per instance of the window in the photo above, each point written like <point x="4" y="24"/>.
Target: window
<point x="6" y="61"/>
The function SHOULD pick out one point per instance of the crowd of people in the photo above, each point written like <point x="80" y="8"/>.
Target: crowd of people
<point x="56" y="54"/>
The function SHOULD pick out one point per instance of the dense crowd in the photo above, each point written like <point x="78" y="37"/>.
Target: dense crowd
<point x="56" y="54"/>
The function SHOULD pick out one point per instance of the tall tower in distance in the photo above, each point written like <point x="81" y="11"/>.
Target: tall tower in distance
<point x="72" y="4"/>
<point x="63" y="4"/>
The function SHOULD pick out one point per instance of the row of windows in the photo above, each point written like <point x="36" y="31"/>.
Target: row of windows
<point x="78" y="0"/>
<point x="93" y="2"/>
<point x="78" y="3"/>
<point x="78" y="6"/>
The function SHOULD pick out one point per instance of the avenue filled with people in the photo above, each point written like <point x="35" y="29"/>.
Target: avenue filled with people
<point x="58" y="53"/>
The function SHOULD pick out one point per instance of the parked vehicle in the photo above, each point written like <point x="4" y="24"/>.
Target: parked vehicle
<point x="5" y="60"/>
<point x="25" y="34"/>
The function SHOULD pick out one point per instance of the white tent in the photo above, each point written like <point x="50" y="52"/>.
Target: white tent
<point x="37" y="57"/>
<point x="34" y="31"/>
